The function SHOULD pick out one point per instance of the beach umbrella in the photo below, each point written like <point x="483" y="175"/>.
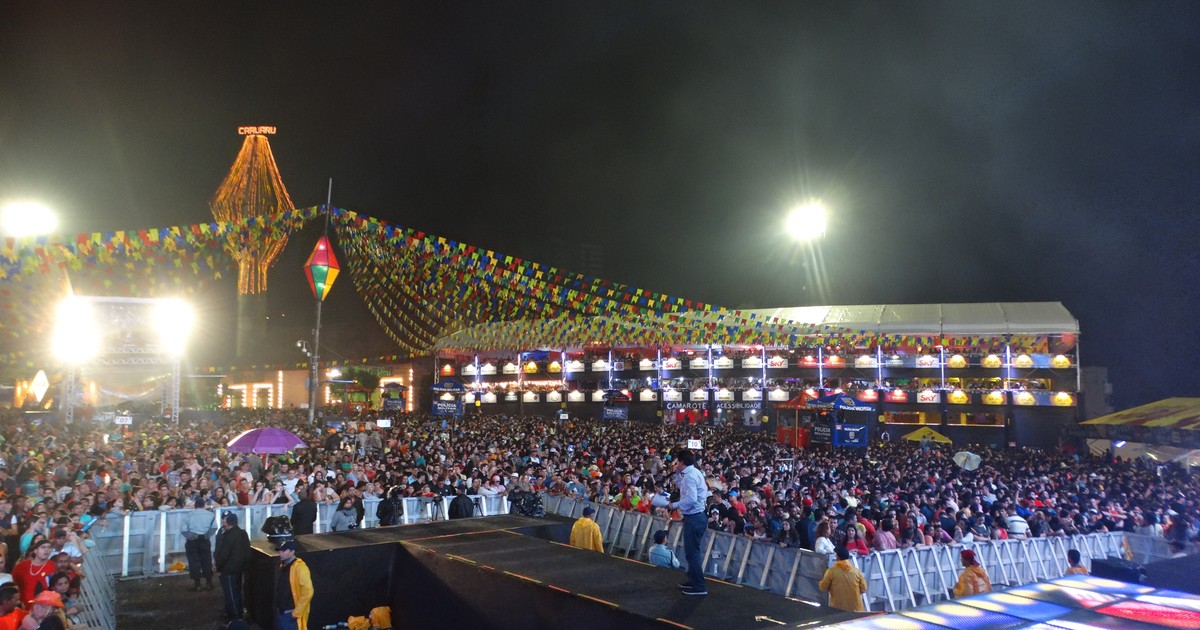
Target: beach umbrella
<point x="967" y="460"/>
<point x="265" y="440"/>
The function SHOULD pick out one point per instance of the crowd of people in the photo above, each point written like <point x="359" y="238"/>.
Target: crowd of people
<point x="57" y="480"/>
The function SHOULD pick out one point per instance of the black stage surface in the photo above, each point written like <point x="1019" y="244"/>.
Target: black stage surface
<point x="510" y="572"/>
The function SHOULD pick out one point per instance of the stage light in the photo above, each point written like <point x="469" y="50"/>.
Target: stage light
<point x="173" y="320"/>
<point x="76" y="335"/>
<point x="1118" y="443"/>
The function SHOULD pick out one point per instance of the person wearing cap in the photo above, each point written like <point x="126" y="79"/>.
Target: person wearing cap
<point x="47" y="612"/>
<point x="660" y="554"/>
<point x="461" y="506"/>
<point x="844" y="583"/>
<point x="229" y="560"/>
<point x="293" y="589"/>
<point x="585" y="533"/>
<point x="693" y="495"/>
<point x="197" y="529"/>
<point x="974" y="579"/>
<point x="35" y="569"/>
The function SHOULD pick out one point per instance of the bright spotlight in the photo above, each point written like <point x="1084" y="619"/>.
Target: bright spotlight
<point x="806" y="222"/>
<point x="27" y="218"/>
<point x="173" y="320"/>
<point x="76" y="334"/>
<point x="335" y="373"/>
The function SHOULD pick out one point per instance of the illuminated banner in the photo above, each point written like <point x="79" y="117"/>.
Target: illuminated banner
<point x="672" y="395"/>
<point x="694" y="406"/>
<point x="722" y="363"/>
<point x="470" y="370"/>
<point x="807" y="360"/>
<point x="1060" y="362"/>
<point x="529" y="397"/>
<point x="776" y="362"/>
<point x="1063" y="399"/>
<point x="698" y="363"/>
<point x="394" y="404"/>
<point x="995" y="397"/>
<point x="850" y="435"/>
<point x="447" y="370"/>
<point x="489" y="398"/>
<point x="511" y="397"/>
<point x="928" y="396"/>
<point x="723" y="394"/>
<point x="822" y="433"/>
<point x="834" y="360"/>
<point x="868" y="395"/>
<point x="600" y="365"/>
<point x="646" y="365"/>
<point x="554" y="397"/>
<point x="698" y="394"/>
<point x="616" y="413"/>
<point x="1025" y="399"/>
<point x="958" y="397"/>
<point x="752" y="394"/>
<point x="447" y="408"/>
<point x="598" y="396"/>
<point x="865" y="361"/>
<point x="738" y="406"/>
<point x="469" y="398"/>
<point x="672" y="363"/>
<point x="957" y="361"/>
<point x="510" y="368"/>
<point x="927" y="361"/>
<point x="487" y="368"/>
<point x="576" y="396"/>
<point x="1023" y="361"/>
<point x="753" y="362"/>
<point x="777" y="395"/>
<point x="574" y="365"/>
<point x="554" y="368"/>
<point x="647" y="395"/>
<point x="531" y="368"/>
<point x="991" y="361"/>
<point x="896" y="396"/>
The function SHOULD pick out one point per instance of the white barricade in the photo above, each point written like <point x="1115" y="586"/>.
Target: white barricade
<point x="97" y="594"/>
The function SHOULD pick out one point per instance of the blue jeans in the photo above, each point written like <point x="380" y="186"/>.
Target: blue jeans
<point x="694" y="526"/>
<point x="231" y="588"/>
<point x="285" y="621"/>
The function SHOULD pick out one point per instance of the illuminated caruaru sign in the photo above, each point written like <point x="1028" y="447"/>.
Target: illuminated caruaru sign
<point x="256" y="131"/>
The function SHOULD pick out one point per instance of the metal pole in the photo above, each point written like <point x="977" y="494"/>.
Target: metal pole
<point x="314" y="362"/>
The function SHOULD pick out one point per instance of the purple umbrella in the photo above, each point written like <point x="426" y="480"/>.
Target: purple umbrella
<point x="265" y="440"/>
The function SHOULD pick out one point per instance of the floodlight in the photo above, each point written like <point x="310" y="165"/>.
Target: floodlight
<point x="806" y="222"/>
<point x="27" y="218"/>
<point x="76" y="334"/>
<point x="173" y="320"/>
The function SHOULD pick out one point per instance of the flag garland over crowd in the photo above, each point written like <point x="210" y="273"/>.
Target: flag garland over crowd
<point x="429" y="293"/>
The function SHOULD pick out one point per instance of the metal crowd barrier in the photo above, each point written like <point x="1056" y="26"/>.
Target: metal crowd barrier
<point x="97" y="595"/>
<point x="140" y="543"/>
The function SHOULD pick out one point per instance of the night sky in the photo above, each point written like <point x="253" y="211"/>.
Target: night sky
<point x="1015" y="151"/>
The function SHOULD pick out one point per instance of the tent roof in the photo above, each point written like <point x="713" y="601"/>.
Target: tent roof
<point x="987" y="318"/>
<point x="926" y="432"/>
<point x="978" y="319"/>
<point x="1183" y="413"/>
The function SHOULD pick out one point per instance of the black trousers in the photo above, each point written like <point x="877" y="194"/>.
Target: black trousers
<point x="199" y="557"/>
<point x="231" y="588"/>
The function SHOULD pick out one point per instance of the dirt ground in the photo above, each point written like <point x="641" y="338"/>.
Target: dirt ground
<point x="166" y="601"/>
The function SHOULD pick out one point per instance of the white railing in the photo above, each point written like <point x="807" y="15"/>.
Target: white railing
<point x="97" y="595"/>
<point x="140" y="543"/>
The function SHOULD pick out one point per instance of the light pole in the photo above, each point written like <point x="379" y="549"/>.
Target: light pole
<point x="321" y="269"/>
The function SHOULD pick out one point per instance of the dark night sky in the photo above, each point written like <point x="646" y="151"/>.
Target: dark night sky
<point x="1016" y="151"/>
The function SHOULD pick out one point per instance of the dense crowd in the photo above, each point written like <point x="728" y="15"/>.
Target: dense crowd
<point x="57" y="479"/>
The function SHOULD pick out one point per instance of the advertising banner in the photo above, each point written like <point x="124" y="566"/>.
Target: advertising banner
<point x="850" y="435"/>
<point x="393" y="404"/>
<point x="620" y="412"/>
<point x="447" y="408"/>
<point x="822" y="433"/>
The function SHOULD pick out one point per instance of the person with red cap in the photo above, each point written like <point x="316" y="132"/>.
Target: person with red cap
<point x="974" y="579"/>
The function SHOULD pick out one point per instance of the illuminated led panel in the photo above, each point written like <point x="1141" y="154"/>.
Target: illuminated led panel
<point x="964" y="617"/>
<point x="1103" y="585"/>
<point x="1022" y="607"/>
<point x="887" y="622"/>
<point x="1173" y="599"/>
<point x="1090" y="620"/>
<point x="1153" y="613"/>
<point x="1064" y="596"/>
